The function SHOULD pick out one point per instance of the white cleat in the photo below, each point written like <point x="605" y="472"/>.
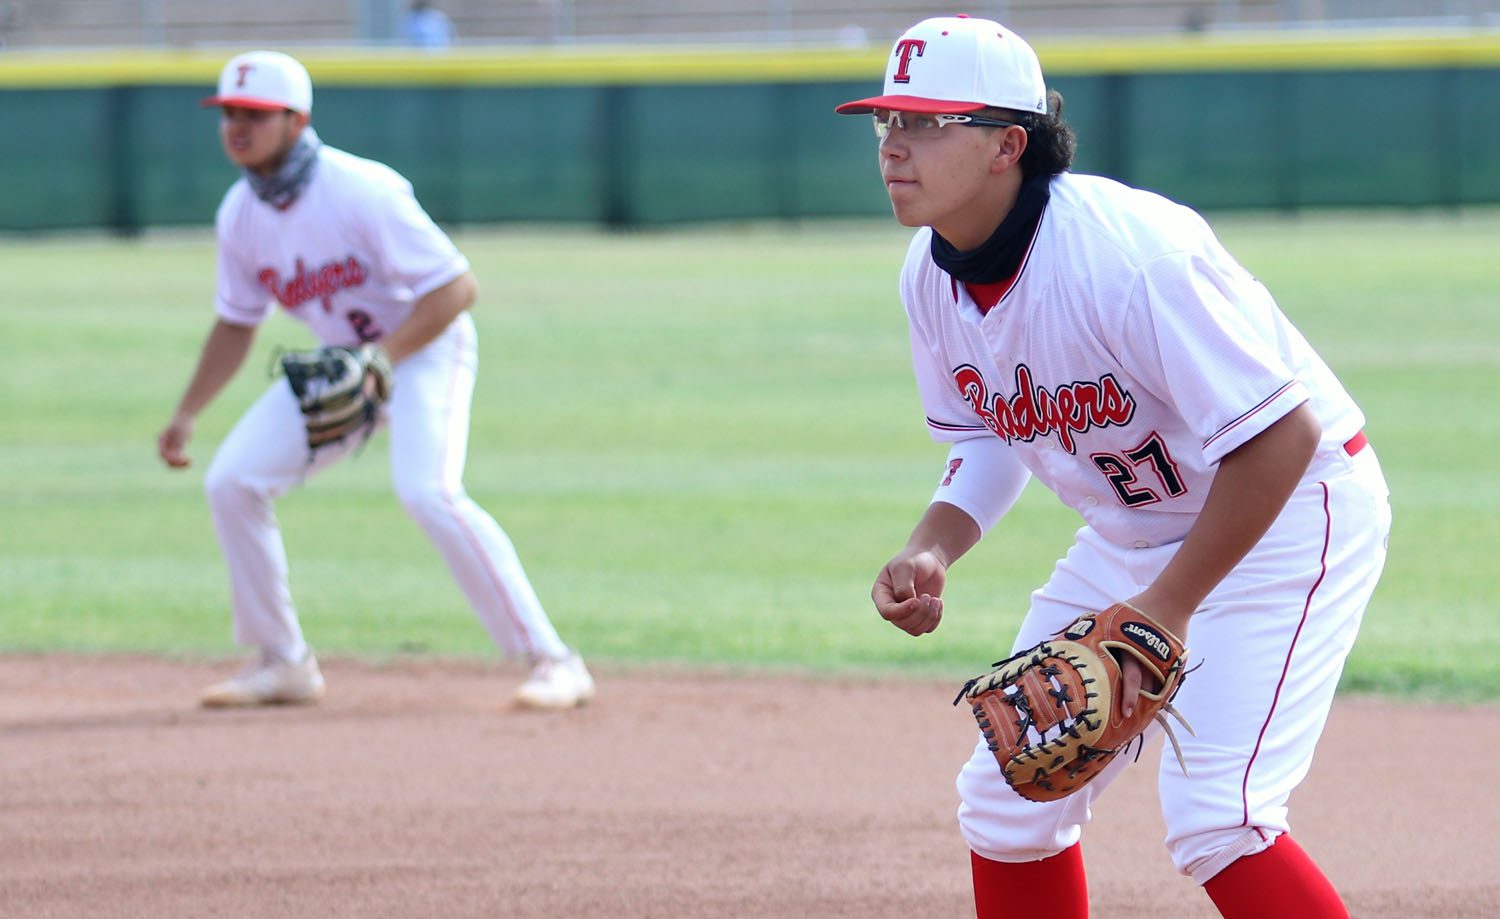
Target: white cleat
<point x="269" y="681"/>
<point x="556" y="684"/>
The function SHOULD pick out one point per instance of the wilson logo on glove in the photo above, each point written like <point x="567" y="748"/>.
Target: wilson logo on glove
<point x="1144" y="636"/>
<point x="1079" y="628"/>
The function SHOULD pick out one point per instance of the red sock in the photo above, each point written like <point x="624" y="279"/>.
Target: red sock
<point x="1053" y="887"/>
<point x="1282" y="881"/>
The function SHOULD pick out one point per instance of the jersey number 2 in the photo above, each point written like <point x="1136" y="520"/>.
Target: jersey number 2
<point x="364" y="325"/>
<point x="1122" y="477"/>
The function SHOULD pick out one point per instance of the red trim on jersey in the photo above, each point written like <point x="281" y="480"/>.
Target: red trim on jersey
<point x="985" y="296"/>
<point x="450" y="501"/>
<point x="1286" y="665"/>
<point x="944" y="426"/>
<point x="1248" y="415"/>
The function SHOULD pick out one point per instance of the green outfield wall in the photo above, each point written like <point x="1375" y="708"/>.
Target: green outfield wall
<point x="630" y="137"/>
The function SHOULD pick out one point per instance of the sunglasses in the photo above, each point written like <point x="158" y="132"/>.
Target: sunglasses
<point x="922" y="125"/>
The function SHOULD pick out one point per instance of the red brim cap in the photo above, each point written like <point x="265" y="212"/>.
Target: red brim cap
<point x="908" y="104"/>
<point x="243" y="102"/>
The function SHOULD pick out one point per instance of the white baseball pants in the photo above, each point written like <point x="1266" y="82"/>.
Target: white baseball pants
<point x="266" y="455"/>
<point x="1266" y="652"/>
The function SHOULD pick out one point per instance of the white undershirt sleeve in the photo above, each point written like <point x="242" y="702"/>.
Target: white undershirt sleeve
<point x="983" y="479"/>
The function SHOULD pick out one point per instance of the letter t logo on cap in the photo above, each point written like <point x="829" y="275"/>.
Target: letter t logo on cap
<point x="244" y="70"/>
<point x="906" y="48"/>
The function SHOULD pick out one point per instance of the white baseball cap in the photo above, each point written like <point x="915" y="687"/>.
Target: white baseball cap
<point x="264" y="80"/>
<point x="955" y="64"/>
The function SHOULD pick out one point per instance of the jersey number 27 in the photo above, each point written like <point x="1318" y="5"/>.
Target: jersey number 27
<point x="1121" y="471"/>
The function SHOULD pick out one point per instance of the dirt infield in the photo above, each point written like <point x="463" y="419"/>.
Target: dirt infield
<point x="414" y="791"/>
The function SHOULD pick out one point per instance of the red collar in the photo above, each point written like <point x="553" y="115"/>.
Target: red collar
<point x="987" y="295"/>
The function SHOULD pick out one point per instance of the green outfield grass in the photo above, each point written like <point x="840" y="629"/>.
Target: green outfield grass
<point x="704" y="443"/>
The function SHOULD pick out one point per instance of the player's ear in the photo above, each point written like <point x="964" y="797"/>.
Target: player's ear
<point x="1010" y="143"/>
<point x="300" y="120"/>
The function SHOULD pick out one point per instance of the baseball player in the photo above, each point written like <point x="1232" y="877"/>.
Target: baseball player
<point x="341" y="243"/>
<point x="1100" y="339"/>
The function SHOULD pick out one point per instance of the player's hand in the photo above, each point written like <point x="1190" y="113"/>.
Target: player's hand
<point x="908" y="592"/>
<point x="171" y="443"/>
<point x="1132" y="674"/>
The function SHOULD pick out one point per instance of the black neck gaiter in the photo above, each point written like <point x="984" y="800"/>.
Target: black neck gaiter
<point x="998" y="257"/>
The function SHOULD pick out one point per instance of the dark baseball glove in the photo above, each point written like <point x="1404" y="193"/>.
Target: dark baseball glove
<point x="1053" y="714"/>
<point x="340" y="390"/>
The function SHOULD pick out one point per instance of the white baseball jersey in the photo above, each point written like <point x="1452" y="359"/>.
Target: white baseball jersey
<point x="1130" y="355"/>
<point x="349" y="258"/>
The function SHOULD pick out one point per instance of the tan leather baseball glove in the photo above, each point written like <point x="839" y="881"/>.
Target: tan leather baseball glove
<point x="1053" y="714"/>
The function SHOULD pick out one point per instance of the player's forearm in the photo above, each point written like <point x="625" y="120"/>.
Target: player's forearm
<point x="433" y="313"/>
<point x="946" y="531"/>
<point x="1250" y="489"/>
<point x="223" y="353"/>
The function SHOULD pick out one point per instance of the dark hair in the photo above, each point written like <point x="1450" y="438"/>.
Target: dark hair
<point x="1050" y="141"/>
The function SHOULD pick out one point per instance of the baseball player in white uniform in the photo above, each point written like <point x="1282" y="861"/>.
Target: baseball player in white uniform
<point x="1100" y="339"/>
<point x="340" y="243"/>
